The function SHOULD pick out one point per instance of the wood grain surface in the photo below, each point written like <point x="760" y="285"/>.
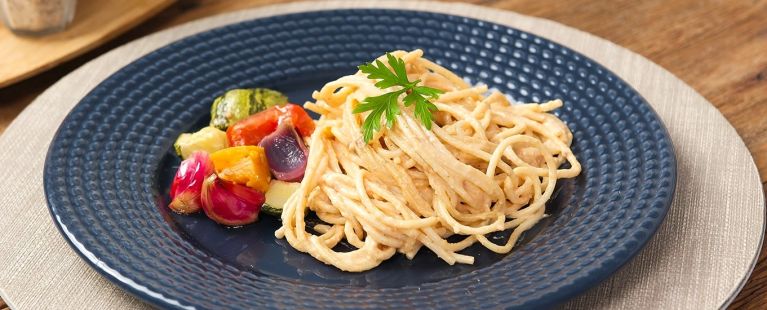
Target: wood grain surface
<point x="96" y="22"/>
<point x="718" y="47"/>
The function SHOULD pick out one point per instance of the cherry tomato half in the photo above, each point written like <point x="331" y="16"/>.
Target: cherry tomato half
<point x="252" y="130"/>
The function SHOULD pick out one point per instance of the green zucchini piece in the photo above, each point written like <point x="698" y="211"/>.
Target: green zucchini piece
<point x="271" y="210"/>
<point x="265" y="98"/>
<point x="208" y="139"/>
<point x="237" y="104"/>
<point x="277" y="196"/>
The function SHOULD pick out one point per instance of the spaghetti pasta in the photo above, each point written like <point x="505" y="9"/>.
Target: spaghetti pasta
<point x="486" y="166"/>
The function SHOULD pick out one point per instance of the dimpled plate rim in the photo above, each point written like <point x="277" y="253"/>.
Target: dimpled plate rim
<point x="525" y="53"/>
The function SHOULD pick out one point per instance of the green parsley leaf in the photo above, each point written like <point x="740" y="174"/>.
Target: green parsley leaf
<point x="387" y="105"/>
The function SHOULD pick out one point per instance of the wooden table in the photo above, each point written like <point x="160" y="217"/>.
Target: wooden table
<point x="717" y="47"/>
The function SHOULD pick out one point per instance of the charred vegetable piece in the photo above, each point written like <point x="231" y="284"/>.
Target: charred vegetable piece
<point x="237" y="104"/>
<point x="277" y="196"/>
<point x="208" y="139"/>
<point x="229" y="203"/>
<point x="245" y="165"/>
<point x="285" y="153"/>
<point x="186" y="188"/>
<point x="253" y="129"/>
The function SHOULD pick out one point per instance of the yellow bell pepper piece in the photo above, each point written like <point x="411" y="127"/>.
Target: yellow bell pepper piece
<point x="244" y="165"/>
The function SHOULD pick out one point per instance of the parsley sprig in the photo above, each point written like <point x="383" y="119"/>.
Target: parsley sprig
<point x="387" y="105"/>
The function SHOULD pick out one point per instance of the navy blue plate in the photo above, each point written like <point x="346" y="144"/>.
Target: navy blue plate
<point x="111" y="162"/>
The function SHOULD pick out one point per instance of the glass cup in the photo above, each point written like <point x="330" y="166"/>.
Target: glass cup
<point x="37" y="17"/>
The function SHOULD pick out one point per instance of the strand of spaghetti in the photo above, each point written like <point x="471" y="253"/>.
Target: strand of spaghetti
<point x="468" y="148"/>
<point x="486" y="166"/>
<point x="350" y="209"/>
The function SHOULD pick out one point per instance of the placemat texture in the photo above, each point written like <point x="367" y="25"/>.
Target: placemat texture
<point x="700" y="257"/>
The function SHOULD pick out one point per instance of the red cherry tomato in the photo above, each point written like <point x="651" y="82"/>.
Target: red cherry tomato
<point x="252" y="130"/>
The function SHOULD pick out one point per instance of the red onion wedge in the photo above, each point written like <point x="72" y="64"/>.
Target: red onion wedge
<point x="229" y="203"/>
<point x="285" y="152"/>
<point x="187" y="184"/>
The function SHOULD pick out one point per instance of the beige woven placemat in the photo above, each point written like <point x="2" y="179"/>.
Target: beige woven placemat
<point x="699" y="258"/>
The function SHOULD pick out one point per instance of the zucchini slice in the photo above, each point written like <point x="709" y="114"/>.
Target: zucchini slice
<point x="237" y="104"/>
<point x="277" y="195"/>
<point x="208" y="139"/>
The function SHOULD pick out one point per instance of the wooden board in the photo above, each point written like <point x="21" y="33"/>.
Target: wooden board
<point x="96" y="21"/>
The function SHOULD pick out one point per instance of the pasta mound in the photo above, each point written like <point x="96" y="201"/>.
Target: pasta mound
<point x="487" y="165"/>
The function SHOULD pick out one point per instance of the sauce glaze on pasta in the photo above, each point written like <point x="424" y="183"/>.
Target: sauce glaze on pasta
<point x="486" y="165"/>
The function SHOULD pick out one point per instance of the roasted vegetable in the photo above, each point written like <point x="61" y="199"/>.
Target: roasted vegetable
<point x="208" y="139"/>
<point x="229" y="203"/>
<point x="186" y="188"/>
<point x="251" y="130"/>
<point x="246" y="165"/>
<point x="277" y="196"/>
<point x="237" y="104"/>
<point x="285" y="153"/>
